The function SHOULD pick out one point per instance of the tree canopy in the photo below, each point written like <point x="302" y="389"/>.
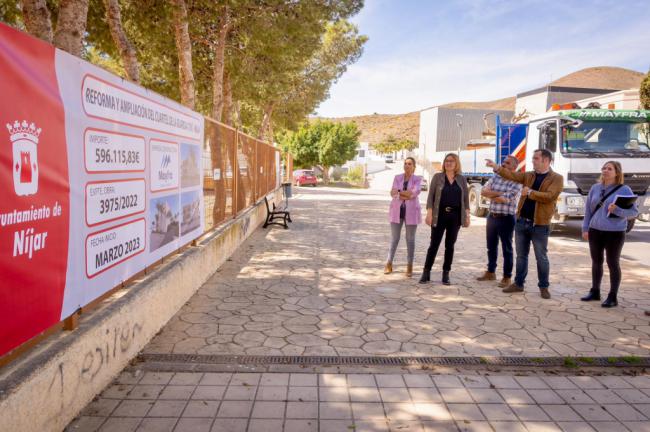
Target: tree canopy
<point x="392" y="144"/>
<point x="322" y="144"/>
<point x="644" y="92"/>
<point x="259" y="64"/>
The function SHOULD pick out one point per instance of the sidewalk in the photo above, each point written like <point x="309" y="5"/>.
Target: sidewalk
<point x="318" y="289"/>
<point x="306" y="402"/>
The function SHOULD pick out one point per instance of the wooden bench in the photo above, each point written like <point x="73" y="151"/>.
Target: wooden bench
<point x="277" y="212"/>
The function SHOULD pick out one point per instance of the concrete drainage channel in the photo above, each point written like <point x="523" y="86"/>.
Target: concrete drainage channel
<point x="198" y="362"/>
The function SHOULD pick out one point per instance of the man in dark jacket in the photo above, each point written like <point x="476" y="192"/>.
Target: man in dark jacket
<point x="536" y="208"/>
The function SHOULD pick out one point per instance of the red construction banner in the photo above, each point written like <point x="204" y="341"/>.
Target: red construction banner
<point x="34" y="208"/>
<point x="99" y="178"/>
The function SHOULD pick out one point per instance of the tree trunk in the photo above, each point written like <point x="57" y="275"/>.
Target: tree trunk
<point x="219" y="65"/>
<point x="236" y="113"/>
<point x="326" y="175"/>
<point x="266" y="129"/>
<point x="227" y="99"/>
<point x="37" y="19"/>
<point x="124" y="46"/>
<point x="218" y="156"/>
<point x="71" y="26"/>
<point x="184" y="48"/>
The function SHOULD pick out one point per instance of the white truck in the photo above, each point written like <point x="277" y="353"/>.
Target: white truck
<point x="581" y="140"/>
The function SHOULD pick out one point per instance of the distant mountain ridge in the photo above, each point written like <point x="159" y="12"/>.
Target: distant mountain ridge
<point x="377" y="127"/>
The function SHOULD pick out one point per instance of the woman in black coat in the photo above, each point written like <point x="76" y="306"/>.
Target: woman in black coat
<point x="447" y="211"/>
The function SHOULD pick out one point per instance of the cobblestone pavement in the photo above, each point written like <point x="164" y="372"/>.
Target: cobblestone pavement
<point x="318" y="289"/>
<point x="305" y="402"/>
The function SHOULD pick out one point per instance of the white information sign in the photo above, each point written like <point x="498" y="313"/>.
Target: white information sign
<point x="111" y="200"/>
<point x="109" y="101"/>
<point x="113" y="152"/>
<point x="163" y="171"/>
<point x="112" y="246"/>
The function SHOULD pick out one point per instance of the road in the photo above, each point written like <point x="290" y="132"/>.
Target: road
<point x="568" y="233"/>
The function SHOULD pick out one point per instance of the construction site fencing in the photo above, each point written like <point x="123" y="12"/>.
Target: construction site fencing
<point x="238" y="170"/>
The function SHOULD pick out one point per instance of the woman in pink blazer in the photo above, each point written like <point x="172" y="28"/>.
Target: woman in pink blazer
<point x="404" y="210"/>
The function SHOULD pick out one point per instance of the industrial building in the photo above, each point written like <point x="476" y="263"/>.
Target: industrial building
<point x="447" y="129"/>
<point x="444" y="129"/>
<point x="540" y="100"/>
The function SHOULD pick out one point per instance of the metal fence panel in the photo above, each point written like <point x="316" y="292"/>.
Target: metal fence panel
<point x="238" y="170"/>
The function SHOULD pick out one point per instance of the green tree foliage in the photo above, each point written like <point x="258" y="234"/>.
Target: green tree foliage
<point x="281" y="55"/>
<point x="322" y="144"/>
<point x="644" y="92"/>
<point x="10" y="13"/>
<point x="644" y="95"/>
<point x="392" y="144"/>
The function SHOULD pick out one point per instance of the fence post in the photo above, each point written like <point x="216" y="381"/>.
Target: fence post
<point x="235" y="176"/>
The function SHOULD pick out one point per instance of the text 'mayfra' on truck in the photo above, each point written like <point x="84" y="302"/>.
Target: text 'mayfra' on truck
<point x="581" y="141"/>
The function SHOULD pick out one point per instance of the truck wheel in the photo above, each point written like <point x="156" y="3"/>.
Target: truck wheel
<point x="474" y="203"/>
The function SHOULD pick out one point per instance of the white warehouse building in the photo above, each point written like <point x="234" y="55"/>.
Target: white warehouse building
<point x="540" y="100"/>
<point x="440" y="130"/>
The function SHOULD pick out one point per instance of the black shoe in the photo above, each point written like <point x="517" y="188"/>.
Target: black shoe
<point x="445" y="278"/>
<point x="426" y="276"/>
<point x="593" y="295"/>
<point x="610" y="302"/>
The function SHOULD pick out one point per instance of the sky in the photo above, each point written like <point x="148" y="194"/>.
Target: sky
<point x="423" y="53"/>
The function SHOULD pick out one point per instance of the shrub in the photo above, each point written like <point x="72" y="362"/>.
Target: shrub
<point x="355" y="175"/>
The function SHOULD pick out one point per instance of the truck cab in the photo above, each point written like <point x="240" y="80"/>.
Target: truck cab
<point x="582" y="140"/>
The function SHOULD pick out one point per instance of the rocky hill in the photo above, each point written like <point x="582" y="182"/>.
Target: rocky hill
<point x="602" y="77"/>
<point x="377" y="127"/>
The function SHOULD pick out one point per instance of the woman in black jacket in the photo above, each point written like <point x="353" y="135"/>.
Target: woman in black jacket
<point x="447" y="211"/>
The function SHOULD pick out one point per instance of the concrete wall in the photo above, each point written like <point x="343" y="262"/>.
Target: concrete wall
<point x="428" y="132"/>
<point x="473" y="126"/>
<point x="48" y="387"/>
<point x="533" y="104"/>
<point x="439" y="131"/>
<point x="624" y="99"/>
<point x="540" y="100"/>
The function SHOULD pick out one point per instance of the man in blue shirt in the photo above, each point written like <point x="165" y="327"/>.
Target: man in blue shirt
<point x="504" y="196"/>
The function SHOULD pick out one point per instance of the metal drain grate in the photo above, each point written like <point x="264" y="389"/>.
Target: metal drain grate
<point x="397" y="361"/>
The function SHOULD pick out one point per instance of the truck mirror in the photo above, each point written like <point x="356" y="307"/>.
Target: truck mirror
<point x="547" y="136"/>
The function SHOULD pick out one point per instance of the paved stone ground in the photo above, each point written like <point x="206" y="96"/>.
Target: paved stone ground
<point x="318" y="289"/>
<point x="305" y="402"/>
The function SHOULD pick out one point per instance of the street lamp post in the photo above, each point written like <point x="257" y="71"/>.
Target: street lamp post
<point x="460" y="131"/>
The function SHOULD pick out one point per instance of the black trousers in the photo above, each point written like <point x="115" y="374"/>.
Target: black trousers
<point x="611" y="244"/>
<point x="449" y="223"/>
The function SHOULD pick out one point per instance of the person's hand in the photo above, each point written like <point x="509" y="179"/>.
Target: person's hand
<point x="405" y="195"/>
<point x="467" y="220"/>
<point x="393" y="193"/>
<point x="490" y="163"/>
<point x="429" y="219"/>
<point x="525" y="191"/>
<point x="585" y="236"/>
<point x="612" y="207"/>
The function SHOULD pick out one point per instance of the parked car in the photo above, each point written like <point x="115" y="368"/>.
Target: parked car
<point x="389" y="158"/>
<point x="304" y="177"/>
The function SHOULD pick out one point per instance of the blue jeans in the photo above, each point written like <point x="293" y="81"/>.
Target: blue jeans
<point x="525" y="233"/>
<point x="500" y="228"/>
<point x="395" y="231"/>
